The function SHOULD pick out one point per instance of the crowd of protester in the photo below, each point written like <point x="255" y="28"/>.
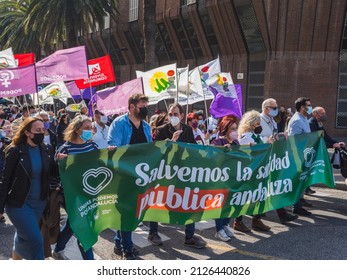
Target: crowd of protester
<point x="39" y="139"/>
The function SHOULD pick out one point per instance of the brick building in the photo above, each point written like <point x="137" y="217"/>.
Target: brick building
<point x="275" y="48"/>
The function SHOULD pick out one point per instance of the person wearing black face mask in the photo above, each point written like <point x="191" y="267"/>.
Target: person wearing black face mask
<point x="24" y="190"/>
<point x="316" y="124"/>
<point x="249" y="134"/>
<point x="130" y="128"/>
<point x="142" y="113"/>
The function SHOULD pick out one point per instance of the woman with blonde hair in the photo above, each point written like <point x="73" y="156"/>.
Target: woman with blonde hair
<point x="249" y="134"/>
<point x="78" y="137"/>
<point x="25" y="187"/>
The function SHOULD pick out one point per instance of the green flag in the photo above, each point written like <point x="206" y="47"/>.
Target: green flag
<point x="173" y="182"/>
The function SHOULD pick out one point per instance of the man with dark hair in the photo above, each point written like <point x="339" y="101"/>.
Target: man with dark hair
<point x="130" y="128"/>
<point x="298" y="124"/>
<point x="175" y="130"/>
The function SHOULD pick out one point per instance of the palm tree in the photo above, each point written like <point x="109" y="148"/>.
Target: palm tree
<point x="150" y="32"/>
<point x="64" y="20"/>
<point x="33" y="26"/>
<point x="12" y="15"/>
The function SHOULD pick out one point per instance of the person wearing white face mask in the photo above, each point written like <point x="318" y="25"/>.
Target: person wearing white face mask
<point x="100" y="129"/>
<point x="175" y="130"/>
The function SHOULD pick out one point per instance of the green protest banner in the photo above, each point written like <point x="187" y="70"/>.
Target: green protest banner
<point x="183" y="183"/>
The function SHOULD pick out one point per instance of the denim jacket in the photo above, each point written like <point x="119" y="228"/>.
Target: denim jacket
<point x="121" y="130"/>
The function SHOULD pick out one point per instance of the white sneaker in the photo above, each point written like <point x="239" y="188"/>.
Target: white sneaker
<point x="228" y="231"/>
<point x="59" y="255"/>
<point x="221" y="235"/>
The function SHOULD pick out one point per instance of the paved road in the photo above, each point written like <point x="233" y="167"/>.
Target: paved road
<point x="321" y="236"/>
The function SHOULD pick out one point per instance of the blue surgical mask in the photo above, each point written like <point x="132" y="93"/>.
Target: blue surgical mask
<point x="86" y="135"/>
<point x="273" y="113"/>
<point x="46" y="125"/>
<point x="309" y="110"/>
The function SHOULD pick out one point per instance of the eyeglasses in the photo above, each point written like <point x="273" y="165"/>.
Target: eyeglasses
<point x="273" y="108"/>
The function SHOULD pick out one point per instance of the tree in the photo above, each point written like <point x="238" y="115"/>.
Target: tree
<point x="150" y="33"/>
<point x="32" y="25"/>
<point x="64" y="20"/>
<point x="12" y="15"/>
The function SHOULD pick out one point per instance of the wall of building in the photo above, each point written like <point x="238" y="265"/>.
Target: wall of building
<point x="284" y="48"/>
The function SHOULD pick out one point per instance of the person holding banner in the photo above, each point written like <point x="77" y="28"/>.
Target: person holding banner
<point x="25" y="185"/>
<point x="249" y="134"/>
<point x="228" y="136"/>
<point x="130" y="128"/>
<point x="299" y="124"/>
<point x="78" y="137"/>
<point x="175" y="130"/>
<point x="270" y="131"/>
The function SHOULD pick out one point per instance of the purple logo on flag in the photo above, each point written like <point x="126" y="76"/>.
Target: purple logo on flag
<point x="17" y="81"/>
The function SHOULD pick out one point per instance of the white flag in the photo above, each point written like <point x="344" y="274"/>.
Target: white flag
<point x="57" y="90"/>
<point x="7" y="59"/>
<point x="159" y="83"/>
<point x="183" y="75"/>
<point x="209" y="72"/>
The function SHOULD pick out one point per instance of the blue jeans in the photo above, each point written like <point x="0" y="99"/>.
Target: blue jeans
<point x="123" y="240"/>
<point x="64" y="237"/>
<point x="190" y="229"/>
<point x="220" y="223"/>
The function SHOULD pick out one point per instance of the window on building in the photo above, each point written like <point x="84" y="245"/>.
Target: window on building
<point x="209" y="32"/>
<point x="167" y="41"/>
<point x="341" y="106"/>
<point x="97" y="44"/>
<point x="133" y="47"/>
<point x="182" y="39"/>
<point x="133" y="10"/>
<point x="256" y="48"/>
<point x="193" y="38"/>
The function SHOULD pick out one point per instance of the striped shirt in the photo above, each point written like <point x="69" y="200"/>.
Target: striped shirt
<point x="69" y="148"/>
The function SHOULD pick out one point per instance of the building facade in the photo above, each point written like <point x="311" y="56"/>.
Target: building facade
<point x="274" y="48"/>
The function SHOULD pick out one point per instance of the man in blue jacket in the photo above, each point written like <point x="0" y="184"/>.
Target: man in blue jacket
<point x="127" y="129"/>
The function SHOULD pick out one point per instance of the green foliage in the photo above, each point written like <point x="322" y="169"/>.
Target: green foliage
<point x="44" y="25"/>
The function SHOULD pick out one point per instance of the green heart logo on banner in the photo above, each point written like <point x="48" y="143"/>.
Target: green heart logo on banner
<point x="95" y="180"/>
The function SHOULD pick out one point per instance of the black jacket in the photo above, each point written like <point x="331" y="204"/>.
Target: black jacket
<point x="167" y="130"/>
<point x="16" y="180"/>
<point x="329" y="142"/>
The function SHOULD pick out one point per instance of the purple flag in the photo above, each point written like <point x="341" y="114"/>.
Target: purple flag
<point x="86" y="92"/>
<point x="90" y="105"/>
<point x="63" y="65"/>
<point x="73" y="89"/>
<point x="114" y="100"/>
<point x="229" y="102"/>
<point x="17" y="81"/>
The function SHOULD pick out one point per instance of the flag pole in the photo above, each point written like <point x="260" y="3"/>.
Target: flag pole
<point x="91" y="97"/>
<point x="187" y="94"/>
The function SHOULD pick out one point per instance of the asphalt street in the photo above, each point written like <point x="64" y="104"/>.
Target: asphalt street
<point x="321" y="236"/>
